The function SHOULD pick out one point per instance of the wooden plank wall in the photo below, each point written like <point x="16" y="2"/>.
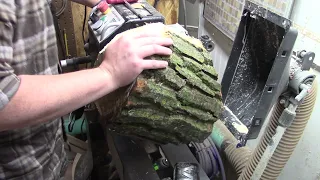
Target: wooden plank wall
<point x="169" y="9"/>
<point x="66" y="29"/>
<point x="78" y="15"/>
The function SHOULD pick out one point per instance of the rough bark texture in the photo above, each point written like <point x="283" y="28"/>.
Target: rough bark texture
<point x="178" y="104"/>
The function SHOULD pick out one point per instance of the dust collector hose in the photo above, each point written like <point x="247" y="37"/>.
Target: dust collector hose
<point x="291" y="137"/>
<point x="238" y="157"/>
<point x="287" y="143"/>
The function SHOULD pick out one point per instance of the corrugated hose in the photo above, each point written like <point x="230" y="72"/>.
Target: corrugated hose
<point x="291" y="137"/>
<point x="238" y="157"/>
<point x="286" y="145"/>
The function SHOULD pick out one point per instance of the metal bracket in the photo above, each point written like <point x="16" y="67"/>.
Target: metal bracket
<point x="300" y="78"/>
<point x="307" y="59"/>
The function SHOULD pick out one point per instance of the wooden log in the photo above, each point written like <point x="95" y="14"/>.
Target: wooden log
<point x="178" y="104"/>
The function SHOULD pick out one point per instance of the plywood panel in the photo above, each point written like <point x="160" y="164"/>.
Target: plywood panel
<point x="66" y="27"/>
<point x="168" y="8"/>
<point x="78" y="15"/>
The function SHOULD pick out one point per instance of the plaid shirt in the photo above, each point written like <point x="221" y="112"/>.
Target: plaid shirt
<point x="28" y="46"/>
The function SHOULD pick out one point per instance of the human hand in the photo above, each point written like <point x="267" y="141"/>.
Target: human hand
<point x="124" y="55"/>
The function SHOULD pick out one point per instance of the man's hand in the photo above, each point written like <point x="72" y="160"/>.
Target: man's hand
<point x="124" y="57"/>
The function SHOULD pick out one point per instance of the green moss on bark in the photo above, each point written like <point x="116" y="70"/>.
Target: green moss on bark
<point x="178" y="104"/>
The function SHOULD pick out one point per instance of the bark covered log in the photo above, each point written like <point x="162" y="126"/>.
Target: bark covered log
<point x="178" y="104"/>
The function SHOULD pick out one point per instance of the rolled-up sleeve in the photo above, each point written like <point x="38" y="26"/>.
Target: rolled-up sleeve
<point x="9" y="82"/>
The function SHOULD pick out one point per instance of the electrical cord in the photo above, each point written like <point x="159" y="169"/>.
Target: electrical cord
<point x="72" y="121"/>
<point x="214" y="165"/>
<point x="64" y="133"/>
<point x="156" y="2"/>
<point x="206" y="159"/>
<point x="212" y="155"/>
<point x="84" y="24"/>
<point x="82" y="123"/>
<point x="82" y="126"/>
<point x="203" y="158"/>
<point x="223" y="173"/>
<point x="209" y="159"/>
<point x="63" y="7"/>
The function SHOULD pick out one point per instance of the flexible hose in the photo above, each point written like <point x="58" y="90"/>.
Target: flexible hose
<point x="288" y="142"/>
<point x="238" y="157"/>
<point x="291" y="137"/>
<point x="222" y="170"/>
<point x="265" y="140"/>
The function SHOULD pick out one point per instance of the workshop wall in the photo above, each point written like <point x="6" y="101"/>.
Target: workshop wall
<point x="305" y="160"/>
<point x="66" y="42"/>
<point x="78" y="16"/>
<point x="305" y="15"/>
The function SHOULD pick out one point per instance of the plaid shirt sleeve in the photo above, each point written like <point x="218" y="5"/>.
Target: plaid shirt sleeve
<point x="9" y="82"/>
<point x="28" y="46"/>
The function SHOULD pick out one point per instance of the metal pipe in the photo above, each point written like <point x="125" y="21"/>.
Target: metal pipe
<point x="76" y="61"/>
<point x="221" y="136"/>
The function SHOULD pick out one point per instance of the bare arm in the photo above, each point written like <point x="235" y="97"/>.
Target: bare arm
<point x="41" y="98"/>
<point x="89" y="3"/>
<point x="44" y="97"/>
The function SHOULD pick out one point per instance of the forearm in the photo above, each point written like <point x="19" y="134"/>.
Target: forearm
<point x="89" y="3"/>
<point x="41" y="98"/>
